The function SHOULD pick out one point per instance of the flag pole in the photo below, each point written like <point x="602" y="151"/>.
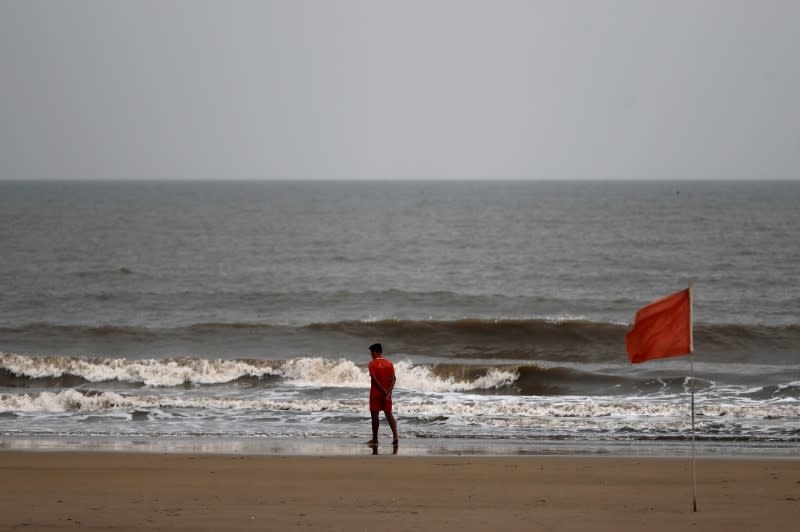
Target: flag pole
<point x="691" y="387"/>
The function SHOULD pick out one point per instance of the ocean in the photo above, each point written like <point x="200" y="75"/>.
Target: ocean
<point x="238" y="315"/>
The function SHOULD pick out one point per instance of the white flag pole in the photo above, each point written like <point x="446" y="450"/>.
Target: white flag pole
<point x="691" y="387"/>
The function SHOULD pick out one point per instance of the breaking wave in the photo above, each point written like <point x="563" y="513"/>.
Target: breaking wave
<point x="65" y="371"/>
<point x="531" y="379"/>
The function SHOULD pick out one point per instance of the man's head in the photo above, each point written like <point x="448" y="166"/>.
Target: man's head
<point x="375" y="350"/>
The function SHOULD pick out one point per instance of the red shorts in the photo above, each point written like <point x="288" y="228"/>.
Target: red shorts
<point x="376" y="404"/>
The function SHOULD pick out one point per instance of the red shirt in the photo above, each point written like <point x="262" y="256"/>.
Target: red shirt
<point x="383" y="371"/>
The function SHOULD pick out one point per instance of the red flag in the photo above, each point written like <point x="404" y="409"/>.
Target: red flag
<point x="661" y="329"/>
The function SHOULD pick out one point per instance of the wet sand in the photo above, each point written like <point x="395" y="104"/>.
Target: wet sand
<point x="140" y="491"/>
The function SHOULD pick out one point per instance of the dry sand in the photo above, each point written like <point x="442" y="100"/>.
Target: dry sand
<point x="128" y="491"/>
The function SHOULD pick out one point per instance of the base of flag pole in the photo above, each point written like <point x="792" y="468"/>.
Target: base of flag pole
<point x="694" y="454"/>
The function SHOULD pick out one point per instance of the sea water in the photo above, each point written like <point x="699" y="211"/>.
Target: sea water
<point x="243" y="311"/>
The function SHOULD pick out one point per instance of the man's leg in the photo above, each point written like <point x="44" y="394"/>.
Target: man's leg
<point x="376" y="422"/>
<point x="392" y="423"/>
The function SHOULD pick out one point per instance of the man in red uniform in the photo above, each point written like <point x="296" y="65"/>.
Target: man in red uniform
<point x="381" y="372"/>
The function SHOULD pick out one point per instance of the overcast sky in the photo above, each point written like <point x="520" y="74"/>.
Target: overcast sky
<point x="461" y="89"/>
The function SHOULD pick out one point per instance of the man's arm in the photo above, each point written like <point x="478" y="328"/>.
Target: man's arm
<point x="379" y="386"/>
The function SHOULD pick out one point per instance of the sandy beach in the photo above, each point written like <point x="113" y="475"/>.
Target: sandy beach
<point x="138" y="491"/>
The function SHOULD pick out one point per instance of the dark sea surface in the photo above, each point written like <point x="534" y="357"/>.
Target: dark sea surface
<point x="244" y="310"/>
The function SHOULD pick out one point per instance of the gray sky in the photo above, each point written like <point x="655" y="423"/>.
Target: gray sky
<point x="457" y="89"/>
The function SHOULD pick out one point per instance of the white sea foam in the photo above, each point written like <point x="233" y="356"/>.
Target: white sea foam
<point x="149" y="371"/>
<point x="321" y="372"/>
<point x="423" y="379"/>
<point x="312" y="371"/>
<point x="305" y="371"/>
<point x="476" y="408"/>
<point x="564" y="318"/>
<point x="73" y="400"/>
<point x="64" y="401"/>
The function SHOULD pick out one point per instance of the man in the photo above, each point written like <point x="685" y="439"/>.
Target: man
<point x="381" y="372"/>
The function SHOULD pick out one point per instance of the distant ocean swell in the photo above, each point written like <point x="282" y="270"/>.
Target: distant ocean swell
<point x="523" y="339"/>
<point x="59" y="372"/>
